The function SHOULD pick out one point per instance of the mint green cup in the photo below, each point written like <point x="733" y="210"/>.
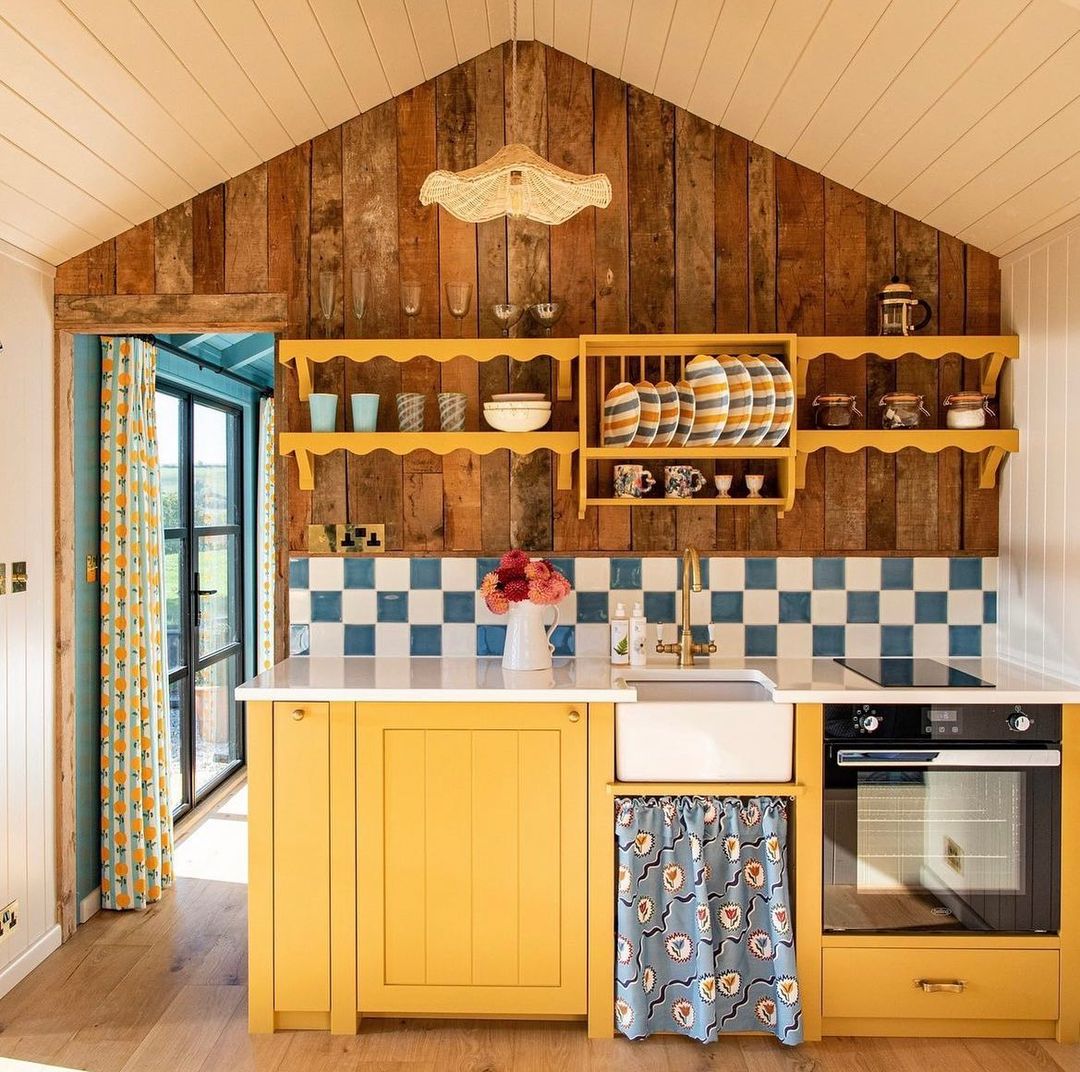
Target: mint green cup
<point x="365" y="412"/>
<point x="323" y="412"/>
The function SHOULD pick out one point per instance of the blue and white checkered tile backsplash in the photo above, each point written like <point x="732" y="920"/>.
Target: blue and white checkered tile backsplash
<point x="790" y="607"/>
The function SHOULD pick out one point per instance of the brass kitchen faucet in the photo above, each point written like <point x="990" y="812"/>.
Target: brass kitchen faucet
<point x="686" y="649"/>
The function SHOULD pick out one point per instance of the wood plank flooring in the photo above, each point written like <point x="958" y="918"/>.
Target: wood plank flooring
<point x="165" y="991"/>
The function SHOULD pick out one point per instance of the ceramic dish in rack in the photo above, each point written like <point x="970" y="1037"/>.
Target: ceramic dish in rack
<point x="686" y="413"/>
<point x="622" y="411"/>
<point x="740" y="400"/>
<point x="669" y="414"/>
<point x="784" y="411"/>
<point x="764" y="400"/>
<point x="710" y="386"/>
<point x="648" y="414"/>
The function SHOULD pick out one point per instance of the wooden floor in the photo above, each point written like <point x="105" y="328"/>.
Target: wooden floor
<point x="164" y="991"/>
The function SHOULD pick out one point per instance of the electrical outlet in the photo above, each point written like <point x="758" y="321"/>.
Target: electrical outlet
<point x="9" y="918"/>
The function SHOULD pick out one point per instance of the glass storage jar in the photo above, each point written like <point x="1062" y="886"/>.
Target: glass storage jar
<point x="835" y="411"/>
<point x="902" y="409"/>
<point x="967" y="409"/>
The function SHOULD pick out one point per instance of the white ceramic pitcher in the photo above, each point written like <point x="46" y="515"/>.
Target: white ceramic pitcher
<point x="528" y="643"/>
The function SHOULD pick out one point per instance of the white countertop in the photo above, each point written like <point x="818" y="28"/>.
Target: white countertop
<point x="594" y="680"/>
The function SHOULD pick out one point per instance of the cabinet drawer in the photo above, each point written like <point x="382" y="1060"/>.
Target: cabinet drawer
<point x="1000" y="984"/>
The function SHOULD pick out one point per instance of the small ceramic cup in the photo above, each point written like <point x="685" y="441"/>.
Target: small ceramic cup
<point x="754" y="483"/>
<point x="323" y="412"/>
<point x="365" y="412"/>
<point x="682" y="481"/>
<point x="632" y="481"/>
<point x="723" y="485"/>
<point x="410" y="412"/>
<point x="452" y="406"/>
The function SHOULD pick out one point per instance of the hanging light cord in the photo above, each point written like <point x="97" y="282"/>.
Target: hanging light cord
<point x="513" y="69"/>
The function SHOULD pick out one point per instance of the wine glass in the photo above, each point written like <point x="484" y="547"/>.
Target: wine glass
<point x="507" y="315"/>
<point x="327" y="295"/>
<point x="458" y="299"/>
<point x="547" y="314"/>
<point x="361" y="292"/>
<point x="410" y="302"/>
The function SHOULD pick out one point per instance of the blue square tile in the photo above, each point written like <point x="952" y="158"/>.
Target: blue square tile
<point x="931" y="608"/>
<point x="828" y="640"/>
<point x="490" y="639"/>
<point x="565" y="566"/>
<point x="592" y="607"/>
<point x="298" y="572"/>
<point x="727" y="606"/>
<point x="659" y="606"/>
<point x="704" y="574"/>
<point x="459" y="606"/>
<point x="326" y="606"/>
<point x="760" y="641"/>
<point x="699" y="634"/>
<point x="761" y="573"/>
<point x="483" y="567"/>
<point x="425" y="640"/>
<point x="897" y="640"/>
<point x="965" y="573"/>
<point x="299" y="640"/>
<point x="965" y="640"/>
<point x="829" y="573"/>
<point x="359" y="640"/>
<point x="990" y="608"/>
<point x="626" y="573"/>
<point x="897" y="573"/>
<point x="864" y="607"/>
<point x="794" y="606"/>
<point x="564" y="639"/>
<point x="359" y="573"/>
<point x="391" y="606"/>
<point x="425" y="573"/>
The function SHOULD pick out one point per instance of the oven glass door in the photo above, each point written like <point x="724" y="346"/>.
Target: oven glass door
<point x="925" y="840"/>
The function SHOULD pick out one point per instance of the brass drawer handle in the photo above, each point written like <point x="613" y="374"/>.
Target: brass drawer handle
<point x="298" y="715"/>
<point x="575" y="716"/>
<point x="940" y="986"/>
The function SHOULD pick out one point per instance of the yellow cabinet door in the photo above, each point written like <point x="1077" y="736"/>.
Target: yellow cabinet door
<point x="471" y="858"/>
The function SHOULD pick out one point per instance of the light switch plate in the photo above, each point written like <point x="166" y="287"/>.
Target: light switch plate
<point x="3" y="578"/>
<point x="346" y="539"/>
<point x="18" y="577"/>
<point x="9" y="918"/>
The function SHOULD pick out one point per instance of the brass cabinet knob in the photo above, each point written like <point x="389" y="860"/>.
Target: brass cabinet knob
<point x="941" y="986"/>
<point x="298" y="715"/>
<point x="575" y="716"/>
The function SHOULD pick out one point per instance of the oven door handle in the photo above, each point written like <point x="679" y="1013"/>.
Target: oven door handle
<point x="950" y="757"/>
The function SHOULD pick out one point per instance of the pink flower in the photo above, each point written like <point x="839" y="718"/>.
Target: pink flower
<point x="515" y="560"/>
<point x="517" y="591"/>
<point x="552" y="590"/>
<point x="493" y="596"/>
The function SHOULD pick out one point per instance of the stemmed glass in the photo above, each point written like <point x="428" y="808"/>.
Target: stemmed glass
<point x="507" y="315"/>
<point x="361" y="292"/>
<point x="458" y="299"/>
<point x="410" y="302"/>
<point x="327" y="296"/>
<point x="547" y="314"/>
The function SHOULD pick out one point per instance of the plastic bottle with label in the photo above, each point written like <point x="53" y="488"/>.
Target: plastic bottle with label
<point x="638" y="638"/>
<point x="620" y="637"/>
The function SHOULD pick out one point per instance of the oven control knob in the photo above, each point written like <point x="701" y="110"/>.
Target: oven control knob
<point x="1020" y="722"/>
<point x="868" y="723"/>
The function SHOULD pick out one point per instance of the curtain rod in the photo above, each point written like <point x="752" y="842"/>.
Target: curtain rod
<point x="264" y="392"/>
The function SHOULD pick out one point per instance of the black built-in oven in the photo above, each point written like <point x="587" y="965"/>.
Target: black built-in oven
<point x="942" y="818"/>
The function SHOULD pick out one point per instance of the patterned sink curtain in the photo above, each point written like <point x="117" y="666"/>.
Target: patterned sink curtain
<point x="265" y="534"/>
<point x="704" y="941"/>
<point x="136" y="824"/>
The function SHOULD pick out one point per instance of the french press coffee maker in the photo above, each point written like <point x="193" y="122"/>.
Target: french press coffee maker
<point x="896" y="304"/>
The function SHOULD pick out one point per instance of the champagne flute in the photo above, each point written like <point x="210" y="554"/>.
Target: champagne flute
<point x="327" y="295"/>
<point x="361" y="292"/>
<point x="410" y="302"/>
<point x="458" y="300"/>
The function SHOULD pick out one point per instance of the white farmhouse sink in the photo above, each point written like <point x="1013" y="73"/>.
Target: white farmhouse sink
<point x="712" y="726"/>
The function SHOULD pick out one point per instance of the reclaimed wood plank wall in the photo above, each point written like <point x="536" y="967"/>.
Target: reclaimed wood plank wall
<point x="705" y="231"/>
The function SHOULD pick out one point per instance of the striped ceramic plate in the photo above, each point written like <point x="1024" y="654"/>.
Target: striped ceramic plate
<point x="710" y="385"/>
<point x="650" y="414"/>
<point x="784" y="411"/>
<point x="740" y="403"/>
<point x="669" y="413"/>
<point x="761" y="412"/>
<point x="622" y="409"/>
<point x="686" y="413"/>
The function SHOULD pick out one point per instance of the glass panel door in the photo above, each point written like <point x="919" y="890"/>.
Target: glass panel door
<point x="201" y="469"/>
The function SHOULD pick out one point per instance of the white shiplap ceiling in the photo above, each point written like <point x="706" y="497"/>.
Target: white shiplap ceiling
<point x="962" y="113"/>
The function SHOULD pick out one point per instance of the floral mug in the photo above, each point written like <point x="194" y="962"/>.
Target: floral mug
<point x="682" y="481"/>
<point x="632" y="481"/>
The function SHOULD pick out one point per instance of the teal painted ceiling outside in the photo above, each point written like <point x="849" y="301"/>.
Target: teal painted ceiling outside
<point x="249" y="355"/>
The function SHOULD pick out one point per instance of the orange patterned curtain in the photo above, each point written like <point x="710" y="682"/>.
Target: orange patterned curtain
<point x="136" y="820"/>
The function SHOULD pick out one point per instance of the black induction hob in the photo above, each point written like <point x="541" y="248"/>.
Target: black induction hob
<point x="897" y="673"/>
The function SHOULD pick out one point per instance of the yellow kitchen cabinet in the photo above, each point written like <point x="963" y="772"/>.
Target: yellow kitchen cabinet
<point x="471" y="869"/>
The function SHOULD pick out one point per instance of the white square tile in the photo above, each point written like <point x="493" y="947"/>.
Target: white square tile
<point x="299" y="606"/>
<point x="989" y="641"/>
<point x="567" y="611"/>
<point x="862" y="574"/>
<point x="658" y="574"/>
<point x="990" y="573"/>
<point x="794" y="574"/>
<point x="326" y="574"/>
<point x="391" y="639"/>
<point x="592" y="574"/>
<point x="726" y="574"/>
<point x="828" y="606"/>
<point x="897" y="607"/>
<point x="932" y="641"/>
<point x="425" y="606"/>
<point x="327" y="638"/>
<point x="627" y="597"/>
<point x="592" y="639"/>
<point x="459" y="574"/>
<point x="965" y="607"/>
<point x="700" y="607"/>
<point x="729" y="638"/>
<point x="931" y="574"/>
<point x="862" y="639"/>
<point x="392" y="575"/>
<point x="761" y="606"/>
<point x="794" y="640"/>
<point x="358" y="606"/>
<point x="459" y="639"/>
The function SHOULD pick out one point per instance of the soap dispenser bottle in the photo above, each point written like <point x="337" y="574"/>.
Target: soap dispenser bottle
<point x="620" y="637"/>
<point x="638" y="638"/>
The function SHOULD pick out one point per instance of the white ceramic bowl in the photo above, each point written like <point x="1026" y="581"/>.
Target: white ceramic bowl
<point x="517" y="420"/>
<point x="510" y="407"/>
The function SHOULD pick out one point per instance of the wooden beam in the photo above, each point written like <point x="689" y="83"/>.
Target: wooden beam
<point x="172" y="312"/>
